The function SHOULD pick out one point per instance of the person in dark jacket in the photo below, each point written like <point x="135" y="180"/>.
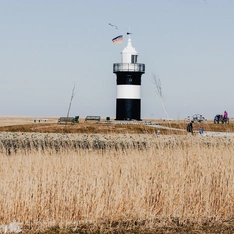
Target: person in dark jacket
<point x="190" y="127"/>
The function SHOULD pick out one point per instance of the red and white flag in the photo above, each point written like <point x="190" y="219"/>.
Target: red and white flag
<point x="118" y="40"/>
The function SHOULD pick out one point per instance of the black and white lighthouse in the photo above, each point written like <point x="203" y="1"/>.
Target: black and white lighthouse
<point x="128" y="79"/>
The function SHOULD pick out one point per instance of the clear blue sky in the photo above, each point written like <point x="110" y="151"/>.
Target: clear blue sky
<point x="47" y="46"/>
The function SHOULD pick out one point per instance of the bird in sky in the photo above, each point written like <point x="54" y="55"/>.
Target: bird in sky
<point x="112" y="25"/>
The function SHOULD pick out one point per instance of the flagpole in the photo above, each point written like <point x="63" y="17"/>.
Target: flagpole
<point x="129" y="37"/>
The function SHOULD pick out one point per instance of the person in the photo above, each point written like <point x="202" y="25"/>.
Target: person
<point x="225" y="115"/>
<point x="201" y="129"/>
<point x="190" y="127"/>
<point x="217" y="118"/>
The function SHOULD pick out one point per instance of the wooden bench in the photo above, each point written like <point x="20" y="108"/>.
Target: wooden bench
<point x="39" y="120"/>
<point x="96" y="118"/>
<point x="66" y="120"/>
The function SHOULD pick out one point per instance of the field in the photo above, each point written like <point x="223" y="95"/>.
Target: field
<point x="114" y="178"/>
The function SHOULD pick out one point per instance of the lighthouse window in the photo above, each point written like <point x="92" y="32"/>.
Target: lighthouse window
<point x="134" y="59"/>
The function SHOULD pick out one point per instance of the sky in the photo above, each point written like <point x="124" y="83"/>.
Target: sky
<point x="49" y="47"/>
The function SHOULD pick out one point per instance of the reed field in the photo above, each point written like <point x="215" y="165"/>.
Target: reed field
<point x="115" y="179"/>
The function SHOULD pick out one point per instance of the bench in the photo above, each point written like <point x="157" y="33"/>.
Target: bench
<point x="39" y="120"/>
<point x="66" y="120"/>
<point x="96" y="118"/>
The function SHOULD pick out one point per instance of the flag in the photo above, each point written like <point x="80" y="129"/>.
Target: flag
<point x="128" y="33"/>
<point x="118" y="40"/>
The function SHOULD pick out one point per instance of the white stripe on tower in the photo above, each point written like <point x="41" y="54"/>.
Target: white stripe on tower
<point x="128" y="92"/>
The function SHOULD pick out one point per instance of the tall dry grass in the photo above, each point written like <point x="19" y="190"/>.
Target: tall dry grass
<point x="178" y="181"/>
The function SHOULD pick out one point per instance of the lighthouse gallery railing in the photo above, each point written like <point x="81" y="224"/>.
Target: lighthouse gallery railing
<point x="129" y="67"/>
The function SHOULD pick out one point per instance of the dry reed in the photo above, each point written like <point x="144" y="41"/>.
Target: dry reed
<point x="178" y="180"/>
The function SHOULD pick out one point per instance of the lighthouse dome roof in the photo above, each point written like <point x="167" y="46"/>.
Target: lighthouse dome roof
<point x="129" y="49"/>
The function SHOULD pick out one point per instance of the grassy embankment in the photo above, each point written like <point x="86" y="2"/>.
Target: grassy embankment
<point x="108" y="128"/>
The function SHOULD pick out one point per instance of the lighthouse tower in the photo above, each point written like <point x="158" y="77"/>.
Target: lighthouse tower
<point x="128" y="79"/>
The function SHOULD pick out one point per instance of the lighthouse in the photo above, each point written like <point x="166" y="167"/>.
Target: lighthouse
<point x="128" y="80"/>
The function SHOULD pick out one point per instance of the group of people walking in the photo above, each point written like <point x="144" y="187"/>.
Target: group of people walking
<point x="217" y="118"/>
